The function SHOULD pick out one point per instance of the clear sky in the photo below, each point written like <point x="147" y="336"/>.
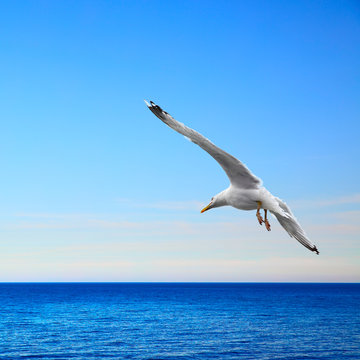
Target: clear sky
<point x="95" y="188"/>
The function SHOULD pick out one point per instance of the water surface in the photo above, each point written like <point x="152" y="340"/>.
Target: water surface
<point x="179" y="321"/>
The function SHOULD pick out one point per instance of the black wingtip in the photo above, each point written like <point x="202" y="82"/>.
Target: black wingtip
<point x="316" y="250"/>
<point x="152" y="104"/>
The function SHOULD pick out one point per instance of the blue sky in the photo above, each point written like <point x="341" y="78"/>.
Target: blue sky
<point x="95" y="188"/>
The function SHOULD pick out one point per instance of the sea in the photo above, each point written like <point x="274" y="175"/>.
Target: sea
<point x="163" y="321"/>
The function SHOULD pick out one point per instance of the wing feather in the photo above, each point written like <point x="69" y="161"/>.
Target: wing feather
<point x="288" y="221"/>
<point x="237" y="172"/>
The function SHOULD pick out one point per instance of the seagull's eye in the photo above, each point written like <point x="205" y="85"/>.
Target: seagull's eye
<point x="212" y="199"/>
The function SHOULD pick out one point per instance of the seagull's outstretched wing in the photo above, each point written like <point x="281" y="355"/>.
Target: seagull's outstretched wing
<point x="237" y="172"/>
<point x="288" y="221"/>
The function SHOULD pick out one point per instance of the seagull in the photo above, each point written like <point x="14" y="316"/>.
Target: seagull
<point x="245" y="191"/>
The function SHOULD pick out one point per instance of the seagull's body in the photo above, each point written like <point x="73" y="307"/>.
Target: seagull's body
<point x="245" y="191"/>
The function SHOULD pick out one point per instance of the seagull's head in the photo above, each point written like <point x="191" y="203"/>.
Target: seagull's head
<point x="216" y="201"/>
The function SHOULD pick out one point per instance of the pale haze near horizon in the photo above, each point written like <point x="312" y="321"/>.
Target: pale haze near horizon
<point x="96" y="188"/>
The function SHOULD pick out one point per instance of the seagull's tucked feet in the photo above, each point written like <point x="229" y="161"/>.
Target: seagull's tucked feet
<point x="267" y="224"/>
<point x="258" y="215"/>
<point x="260" y="219"/>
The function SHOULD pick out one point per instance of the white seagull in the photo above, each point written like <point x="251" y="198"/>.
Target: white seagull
<point x="245" y="191"/>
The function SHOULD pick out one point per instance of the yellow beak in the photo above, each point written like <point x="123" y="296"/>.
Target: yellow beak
<point x="206" y="208"/>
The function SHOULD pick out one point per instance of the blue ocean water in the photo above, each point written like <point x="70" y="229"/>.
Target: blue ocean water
<point x="179" y="321"/>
